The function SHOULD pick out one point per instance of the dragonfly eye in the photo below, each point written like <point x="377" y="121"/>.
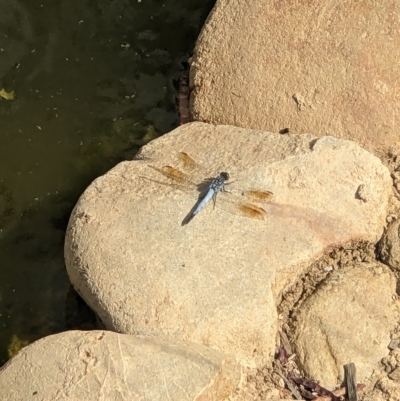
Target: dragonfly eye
<point x="225" y="176"/>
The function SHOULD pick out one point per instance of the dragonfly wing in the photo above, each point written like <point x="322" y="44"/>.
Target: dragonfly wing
<point x="239" y="202"/>
<point x="250" y="210"/>
<point x="177" y="179"/>
<point x="194" y="170"/>
<point x="256" y="195"/>
<point x="243" y="209"/>
<point x="189" y="171"/>
<point x="239" y="206"/>
<point x="187" y="162"/>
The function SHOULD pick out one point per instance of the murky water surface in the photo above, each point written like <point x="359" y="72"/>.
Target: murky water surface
<point x="85" y="84"/>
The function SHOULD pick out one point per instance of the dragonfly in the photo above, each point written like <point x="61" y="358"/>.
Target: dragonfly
<point x="189" y="181"/>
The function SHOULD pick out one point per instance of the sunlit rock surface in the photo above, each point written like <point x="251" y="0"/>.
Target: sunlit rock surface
<point x="318" y="67"/>
<point x="78" y="365"/>
<point x="216" y="281"/>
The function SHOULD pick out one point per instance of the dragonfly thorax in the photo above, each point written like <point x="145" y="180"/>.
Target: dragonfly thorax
<point x="218" y="183"/>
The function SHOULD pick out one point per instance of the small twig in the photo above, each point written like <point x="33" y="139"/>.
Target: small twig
<point x="290" y="386"/>
<point x="350" y="380"/>
<point x="285" y="343"/>
<point x="321" y="391"/>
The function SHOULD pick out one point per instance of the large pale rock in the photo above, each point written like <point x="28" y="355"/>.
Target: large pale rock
<point x="100" y="365"/>
<point x="330" y="68"/>
<point x="216" y="280"/>
<point x="348" y="319"/>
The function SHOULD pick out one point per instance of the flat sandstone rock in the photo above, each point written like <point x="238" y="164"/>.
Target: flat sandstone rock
<point x="216" y="281"/>
<point x="101" y="365"/>
<point x="330" y="68"/>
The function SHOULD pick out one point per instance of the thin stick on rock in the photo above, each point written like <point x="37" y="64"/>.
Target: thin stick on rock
<point x="290" y="386"/>
<point x="350" y="380"/>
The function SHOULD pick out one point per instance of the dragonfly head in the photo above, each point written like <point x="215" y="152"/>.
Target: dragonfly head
<point x="225" y="176"/>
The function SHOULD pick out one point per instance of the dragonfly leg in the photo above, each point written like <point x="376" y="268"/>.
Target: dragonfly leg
<point x="214" y="197"/>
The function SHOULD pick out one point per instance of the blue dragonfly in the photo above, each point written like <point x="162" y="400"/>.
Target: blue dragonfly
<point x="191" y="180"/>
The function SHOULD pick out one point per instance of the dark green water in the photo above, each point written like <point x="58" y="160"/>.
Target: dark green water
<point x="93" y="81"/>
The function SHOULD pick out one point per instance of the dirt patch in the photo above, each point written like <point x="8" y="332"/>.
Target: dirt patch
<point x="319" y="271"/>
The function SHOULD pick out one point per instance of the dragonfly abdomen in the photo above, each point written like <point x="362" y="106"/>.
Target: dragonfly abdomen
<point x="207" y="197"/>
